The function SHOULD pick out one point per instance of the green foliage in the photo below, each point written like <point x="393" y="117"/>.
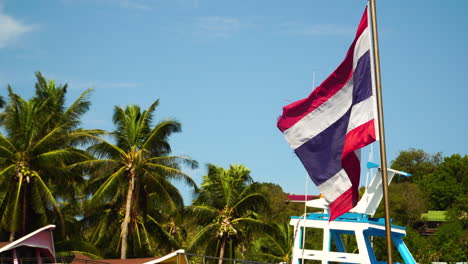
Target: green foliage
<point x="417" y="162"/>
<point x="406" y="202"/>
<point x="447" y="187"/>
<point x="274" y="246"/>
<point x="39" y="145"/>
<point x="451" y="242"/>
<point x="122" y="192"/>
<point x="438" y="184"/>
<point x="131" y="183"/>
<point x="279" y="210"/>
<point x="226" y="209"/>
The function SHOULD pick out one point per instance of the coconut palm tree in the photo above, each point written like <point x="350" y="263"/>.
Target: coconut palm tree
<point x="226" y="208"/>
<point x="35" y="151"/>
<point x="133" y="179"/>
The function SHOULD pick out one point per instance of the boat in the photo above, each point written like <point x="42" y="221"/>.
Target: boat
<point x="358" y="224"/>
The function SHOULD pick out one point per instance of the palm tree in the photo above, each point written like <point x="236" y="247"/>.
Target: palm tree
<point x="226" y="209"/>
<point x="38" y="145"/>
<point x="134" y="179"/>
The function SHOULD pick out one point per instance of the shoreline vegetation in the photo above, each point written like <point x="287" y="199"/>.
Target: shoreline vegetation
<point x="110" y="193"/>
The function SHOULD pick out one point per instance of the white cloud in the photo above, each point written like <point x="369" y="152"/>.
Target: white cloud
<point x="216" y="27"/>
<point x="317" y="30"/>
<point x="11" y="29"/>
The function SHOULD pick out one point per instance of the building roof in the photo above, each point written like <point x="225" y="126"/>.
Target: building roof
<point x="2" y="244"/>
<point x="433" y="216"/>
<point x="170" y="258"/>
<point x="41" y="238"/>
<point x="301" y="198"/>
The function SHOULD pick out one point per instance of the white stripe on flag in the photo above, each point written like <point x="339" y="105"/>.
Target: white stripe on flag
<point x="335" y="186"/>
<point x="328" y="113"/>
<point x="321" y="118"/>
<point x="362" y="46"/>
<point x="361" y="113"/>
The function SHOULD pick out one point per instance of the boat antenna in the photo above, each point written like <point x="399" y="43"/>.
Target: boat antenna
<point x="306" y="192"/>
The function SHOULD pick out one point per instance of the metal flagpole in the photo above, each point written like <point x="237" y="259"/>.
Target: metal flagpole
<point x="383" y="155"/>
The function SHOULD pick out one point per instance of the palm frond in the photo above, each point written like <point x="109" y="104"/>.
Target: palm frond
<point x="95" y="163"/>
<point x="148" y="114"/>
<point x="51" y="136"/>
<point x="6" y="153"/>
<point x="84" y="137"/>
<point x="163" y="234"/>
<point x="107" y="186"/>
<point x="77" y="108"/>
<point x="4" y="172"/>
<point x="172" y="173"/>
<point x="192" y="164"/>
<point x="6" y="143"/>
<point x="205" y="235"/>
<point x="58" y="156"/>
<point x="49" y="197"/>
<point x="105" y="148"/>
<point x="202" y="212"/>
<point x="157" y="140"/>
<point x="250" y="202"/>
<point x="16" y="210"/>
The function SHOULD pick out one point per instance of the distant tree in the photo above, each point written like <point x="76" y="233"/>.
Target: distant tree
<point x="407" y="203"/>
<point x="451" y="242"/>
<point x="417" y="162"/>
<point x="447" y="187"/>
<point x="439" y="184"/>
<point x="226" y="209"/>
<point x="279" y="209"/>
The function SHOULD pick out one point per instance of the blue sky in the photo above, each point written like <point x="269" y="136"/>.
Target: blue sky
<point x="226" y="68"/>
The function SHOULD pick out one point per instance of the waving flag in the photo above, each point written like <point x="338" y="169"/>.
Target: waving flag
<point x="327" y="129"/>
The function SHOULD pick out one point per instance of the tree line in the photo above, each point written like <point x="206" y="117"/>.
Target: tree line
<point x="439" y="184"/>
<point x="111" y="193"/>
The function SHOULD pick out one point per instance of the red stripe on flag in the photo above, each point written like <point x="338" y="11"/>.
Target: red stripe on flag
<point x="362" y="25"/>
<point x="341" y="205"/>
<point x="350" y="197"/>
<point x="294" y="112"/>
<point x="359" y="137"/>
<point x="352" y="165"/>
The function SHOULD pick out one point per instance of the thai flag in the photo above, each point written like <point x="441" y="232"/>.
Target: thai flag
<point x="327" y="129"/>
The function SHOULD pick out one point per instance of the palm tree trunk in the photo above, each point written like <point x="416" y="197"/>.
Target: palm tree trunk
<point x="24" y="217"/>
<point x="126" y="221"/>
<point x="221" y="250"/>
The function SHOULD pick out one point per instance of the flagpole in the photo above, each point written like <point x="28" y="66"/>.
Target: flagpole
<point x="383" y="155"/>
